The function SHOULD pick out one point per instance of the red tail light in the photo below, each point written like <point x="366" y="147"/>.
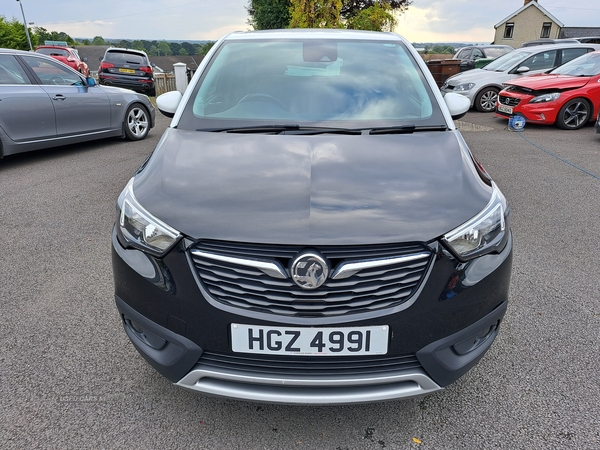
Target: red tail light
<point x="146" y="69"/>
<point x="106" y="65"/>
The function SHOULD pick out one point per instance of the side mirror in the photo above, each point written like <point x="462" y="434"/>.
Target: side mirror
<point x="457" y="104"/>
<point x="90" y="81"/>
<point x="84" y="59"/>
<point x="523" y="69"/>
<point x="167" y="103"/>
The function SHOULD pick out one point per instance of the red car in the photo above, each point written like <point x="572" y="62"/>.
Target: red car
<point x="65" y="55"/>
<point x="568" y="96"/>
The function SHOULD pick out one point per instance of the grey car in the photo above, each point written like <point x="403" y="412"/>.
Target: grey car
<point x="312" y="228"/>
<point x="481" y="86"/>
<point x="44" y="103"/>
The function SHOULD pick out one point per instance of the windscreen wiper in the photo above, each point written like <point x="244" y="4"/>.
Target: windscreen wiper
<point x="407" y="129"/>
<point x="282" y="129"/>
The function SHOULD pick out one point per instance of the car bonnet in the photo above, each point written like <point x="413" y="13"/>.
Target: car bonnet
<point x="549" y="81"/>
<point x="311" y="189"/>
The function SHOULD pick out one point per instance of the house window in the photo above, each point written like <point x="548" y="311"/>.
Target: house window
<point x="508" y="30"/>
<point x="546" y="27"/>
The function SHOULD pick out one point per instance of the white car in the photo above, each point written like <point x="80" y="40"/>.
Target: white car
<point x="481" y="86"/>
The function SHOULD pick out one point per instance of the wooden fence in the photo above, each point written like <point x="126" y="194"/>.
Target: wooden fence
<point x="164" y="82"/>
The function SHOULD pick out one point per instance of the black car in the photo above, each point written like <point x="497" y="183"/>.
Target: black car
<point x="127" y="68"/>
<point x="312" y="228"/>
<point x="472" y="57"/>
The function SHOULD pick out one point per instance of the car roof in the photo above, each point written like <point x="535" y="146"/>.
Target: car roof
<point x="486" y="46"/>
<point x="130" y="50"/>
<point x="314" y="33"/>
<point x="54" y="46"/>
<point x="18" y="52"/>
<point x="543" y="47"/>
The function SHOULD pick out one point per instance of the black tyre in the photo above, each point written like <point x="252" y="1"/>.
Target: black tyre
<point x="485" y="101"/>
<point x="574" y="114"/>
<point x="136" y="123"/>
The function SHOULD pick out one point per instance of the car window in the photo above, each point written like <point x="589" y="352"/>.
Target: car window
<point x="11" y="72"/>
<point x="466" y="53"/>
<point x="53" y="52"/>
<point x="540" y="61"/>
<point x="584" y="66"/>
<point x="476" y="54"/>
<point x="53" y="73"/>
<point x="117" y="57"/>
<point x="506" y="62"/>
<point x="311" y="81"/>
<point x="568" y="54"/>
<point x="495" y="52"/>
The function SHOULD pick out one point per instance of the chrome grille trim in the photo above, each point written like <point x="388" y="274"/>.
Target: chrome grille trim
<point x="273" y="269"/>
<point x="238" y="282"/>
<point x="508" y="101"/>
<point x="346" y="270"/>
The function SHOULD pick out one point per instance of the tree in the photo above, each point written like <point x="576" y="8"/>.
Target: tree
<point x="164" y="48"/>
<point x="189" y="48"/>
<point x="351" y="8"/>
<point x="378" y="17"/>
<point x="442" y="49"/>
<point x="138" y="45"/>
<point x="204" y="49"/>
<point x="98" y="40"/>
<point x="44" y="35"/>
<point x="269" y="14"/>
<point x="375" y="15"/>
<point x="12" y="35"/>
<point x="316" y="14"/>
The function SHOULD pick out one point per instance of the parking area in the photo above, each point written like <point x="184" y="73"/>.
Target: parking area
<point x="70" y="378"/>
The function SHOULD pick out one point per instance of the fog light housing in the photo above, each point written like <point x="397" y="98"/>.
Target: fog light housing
<point x="144" y="335"/>
<point x="470" y="344"/>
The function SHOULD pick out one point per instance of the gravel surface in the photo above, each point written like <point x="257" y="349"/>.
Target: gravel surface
<point x="69" y="378"/>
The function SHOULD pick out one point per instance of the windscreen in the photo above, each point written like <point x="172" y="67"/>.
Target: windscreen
<point x="117" y="57"/>
<point x="53" y="52"/>
<point x="507" y="61"/>
<point x="585" y="66"/>
<point x="496" y="52"/>
<point x="349" y="83"/>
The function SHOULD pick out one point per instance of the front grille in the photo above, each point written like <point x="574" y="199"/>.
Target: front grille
<point x="509" y="101"/>
<point x="370" y="289"/>
<point x="308" y="366"/>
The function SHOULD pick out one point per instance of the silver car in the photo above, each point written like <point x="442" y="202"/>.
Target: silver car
<point x="481" y="86"/>
<point x="44" y="103"/>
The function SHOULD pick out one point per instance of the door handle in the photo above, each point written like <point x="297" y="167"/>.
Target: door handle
<point x="59" y="97"/>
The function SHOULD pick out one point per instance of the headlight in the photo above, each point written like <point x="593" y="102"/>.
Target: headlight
<point x="464" y="87"/>
<point x="545" y="98"/>
<point x="484" y="233"/>
<point x="137" y="228"/>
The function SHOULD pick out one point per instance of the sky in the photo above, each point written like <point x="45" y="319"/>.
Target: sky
<point x="425" y="21"/>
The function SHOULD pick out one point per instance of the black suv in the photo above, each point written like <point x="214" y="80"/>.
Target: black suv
<point x="128" y="69"/>
<point x="311" y="228"/>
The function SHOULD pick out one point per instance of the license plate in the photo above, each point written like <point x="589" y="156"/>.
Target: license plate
<point x="505" y="109"/>
<point x="127" y="70"/>
<point x="342" y="341"/>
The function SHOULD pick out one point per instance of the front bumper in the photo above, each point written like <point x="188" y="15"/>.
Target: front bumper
<point x="539" y="113"/>
<point x="444" y="333"/>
